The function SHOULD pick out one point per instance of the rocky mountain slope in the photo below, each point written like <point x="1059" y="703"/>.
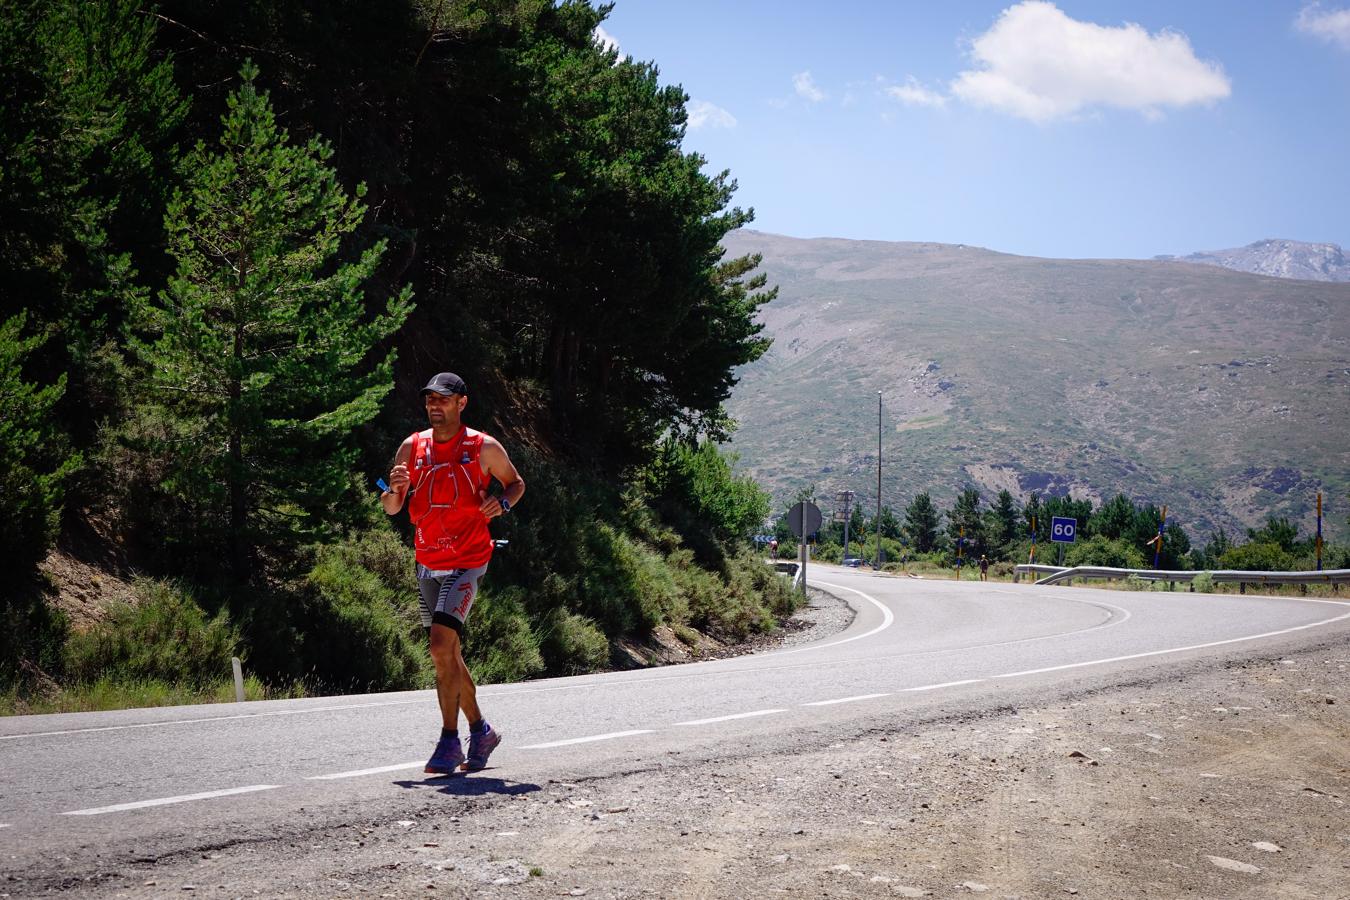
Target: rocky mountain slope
<point x="1278" y="259"/>
<point x="1221" y="394"/>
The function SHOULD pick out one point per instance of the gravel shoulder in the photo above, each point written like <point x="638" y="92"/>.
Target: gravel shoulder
<point x="1216" y="779"/>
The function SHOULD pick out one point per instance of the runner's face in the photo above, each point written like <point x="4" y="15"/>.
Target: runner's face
<point x="443" y="409"/>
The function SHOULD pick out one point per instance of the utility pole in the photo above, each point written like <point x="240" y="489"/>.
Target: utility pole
<point x="876" y="563"/>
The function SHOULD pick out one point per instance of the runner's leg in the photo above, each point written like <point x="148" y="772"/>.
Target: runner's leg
<point x="445" y="653"/>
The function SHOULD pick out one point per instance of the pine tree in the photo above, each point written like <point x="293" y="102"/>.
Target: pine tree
<point x="922" y="523"/>
<point x="33" y="459"/>
<point x="1002" y="525"/>
<point x="262" y="358"/>
<point x="964" y="523"/>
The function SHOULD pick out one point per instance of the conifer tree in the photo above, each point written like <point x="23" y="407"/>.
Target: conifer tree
<point x="261" y="355"/>
<point x="965" y="523"/>
<point x="33" y="459"/>
<point x="922" y="523"/>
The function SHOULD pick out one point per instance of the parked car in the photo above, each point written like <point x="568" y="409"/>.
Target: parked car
<point x="853" y="562"/>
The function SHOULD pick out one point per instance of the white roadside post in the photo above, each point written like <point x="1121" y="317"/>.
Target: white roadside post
<point x="238" y="678"/>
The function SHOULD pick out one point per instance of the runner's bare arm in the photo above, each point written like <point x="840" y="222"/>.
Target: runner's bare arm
<point x="399" y="478"/>
<point x="498" y="465"/>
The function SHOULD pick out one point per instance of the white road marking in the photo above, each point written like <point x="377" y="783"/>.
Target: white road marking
<point x="257" y="715"/>
<point x="745" y="715"/>
<point x="587" y="740"/>
<point x="844" y="700"/>
<point x="934" y="687"/>
<point x="1237" y="640"/>
<point x="6" y="826"/>
<point x="887" y="618"/>
<point x="165" y="801"/>
<point x="356" y="773"/>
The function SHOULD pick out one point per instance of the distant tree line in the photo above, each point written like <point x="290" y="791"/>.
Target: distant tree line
<point x="1119" y="532"/>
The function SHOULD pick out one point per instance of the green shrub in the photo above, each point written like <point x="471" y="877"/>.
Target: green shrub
<point x="163" y="636"/>
<point x="1258" y="556"/>
<point x="361" y="629"/>
<point x="1100" y="551"/>
<point x="572" y="644"/>
<point x="1203" y="583"/>
<point x="499" y="644"/>
<point x="32" y="636"/>
<point x="831" y="553"/>
<point x="1135" y="583"/>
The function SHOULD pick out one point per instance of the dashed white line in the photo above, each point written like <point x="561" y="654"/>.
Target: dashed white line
<point x="586" y="740"/>
<point x="165" y="801"/>
<point x="946" y="684"/>
<point x="744" y="715"/>
<point x="257" y="715"/>
<point x="6" y="826"/>
<point x="356" y="773"/>
<point x="844" y="700"/>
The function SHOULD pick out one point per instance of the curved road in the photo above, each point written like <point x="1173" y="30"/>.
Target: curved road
<point x="160" y="781"/>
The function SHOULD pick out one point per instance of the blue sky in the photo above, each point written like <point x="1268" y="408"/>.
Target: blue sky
<point x="1064" y="129"/>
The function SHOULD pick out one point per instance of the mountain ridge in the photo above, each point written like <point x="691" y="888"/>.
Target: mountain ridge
<point x="1163" y="382"/>
<point x="1277" y="258"/>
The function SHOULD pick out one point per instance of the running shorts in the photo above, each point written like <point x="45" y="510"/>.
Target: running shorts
<point x="446" y="596"/>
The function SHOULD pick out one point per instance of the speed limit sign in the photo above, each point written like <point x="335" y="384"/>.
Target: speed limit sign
<point x="1063" y="529"/>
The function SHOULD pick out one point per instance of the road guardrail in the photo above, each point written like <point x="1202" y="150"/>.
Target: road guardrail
<point x="1057" y="574"/>
<point x="788" y="567"/>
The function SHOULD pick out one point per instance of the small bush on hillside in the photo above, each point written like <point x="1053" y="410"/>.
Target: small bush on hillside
<point x="1203" y="583"/>
<point x="1258" y="557"/>
<point x="1100" y="551"/>
<point x="163" y="636"/>
<point x="32" y="635"/>
<point x="499" y="644"/>
<point x="362" y="630"/>
<point x="572" y="644"/>
<point x="831" y="553"/>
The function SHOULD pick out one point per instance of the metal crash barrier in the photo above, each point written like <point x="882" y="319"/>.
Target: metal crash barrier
<point x="1057" y="574"/>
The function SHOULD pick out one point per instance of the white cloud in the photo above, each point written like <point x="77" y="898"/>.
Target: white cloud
<point x="912" y="93"/>
<point x="607" y="40"/>
<point x="806" y="87"/>
<point x="702" y="113"/>
<point x="1329" y="24"/>
<point x="1039" y="64"/>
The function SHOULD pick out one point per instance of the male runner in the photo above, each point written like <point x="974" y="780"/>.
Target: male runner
<point x="444" y="473"/>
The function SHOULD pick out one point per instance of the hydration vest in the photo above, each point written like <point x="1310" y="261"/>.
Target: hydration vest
<point x="448" y="484"/>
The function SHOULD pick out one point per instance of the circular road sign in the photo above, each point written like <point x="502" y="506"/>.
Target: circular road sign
<point x="812" y="513"/>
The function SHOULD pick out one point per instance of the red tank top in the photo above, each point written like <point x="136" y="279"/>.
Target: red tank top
<point x="449" y="531"/>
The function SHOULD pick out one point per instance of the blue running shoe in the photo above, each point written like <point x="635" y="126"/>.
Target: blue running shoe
<point x="447" y="758"/>
<point x="481" y="747"/>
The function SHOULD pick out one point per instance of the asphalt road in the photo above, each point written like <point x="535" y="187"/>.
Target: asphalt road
<point x="156" y="782"/>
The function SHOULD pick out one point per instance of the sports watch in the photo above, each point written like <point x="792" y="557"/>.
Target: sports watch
<point x="506" y="504"/>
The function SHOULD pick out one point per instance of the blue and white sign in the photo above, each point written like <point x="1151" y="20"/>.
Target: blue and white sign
<point x="1063" y="529"/>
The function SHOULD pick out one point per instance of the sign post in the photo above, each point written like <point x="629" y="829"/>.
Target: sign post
<point x="1319" y="531"/>
<point x="843" y="512"/>
<point x="803" y="519"/>
<point x="1158" y="541"/>
<point x="1063" y="530"/>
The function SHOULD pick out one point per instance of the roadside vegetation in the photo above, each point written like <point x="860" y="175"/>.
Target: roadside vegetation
<point x="232" y="250"/>
<point x="1120" y="533"/>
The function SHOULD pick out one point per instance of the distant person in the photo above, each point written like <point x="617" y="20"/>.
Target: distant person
<point x="984" y="567"/>
<point x="444" y="473"/>
<point x="773" y="549"/>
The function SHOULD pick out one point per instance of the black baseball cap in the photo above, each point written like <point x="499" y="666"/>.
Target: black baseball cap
<point x="446" y="383"/>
